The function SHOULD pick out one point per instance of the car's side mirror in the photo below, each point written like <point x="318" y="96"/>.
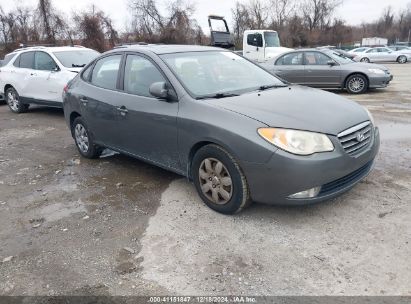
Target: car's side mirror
<point x="161" y="90"/>
<point x="331" y="63"/>
<point x="55" y="69"/>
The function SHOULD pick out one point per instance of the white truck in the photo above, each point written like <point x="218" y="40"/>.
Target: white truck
<point x="262" y="45"/>
<point x="258" y="45"/>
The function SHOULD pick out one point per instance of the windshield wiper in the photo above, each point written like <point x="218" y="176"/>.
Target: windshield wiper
<point x="271" y="86"/>
<point x="217" y="96"/>
<point x="78" y="65"/>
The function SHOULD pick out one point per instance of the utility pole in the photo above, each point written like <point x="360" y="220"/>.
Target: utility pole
<point x="409" y="34"/>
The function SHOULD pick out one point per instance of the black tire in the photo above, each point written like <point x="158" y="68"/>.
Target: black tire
<point x="240" y="196"/>
<point x="365" y="59"/>
<point x="402" y="59"/>
<point x="356" y="84"/>
<point x="89" y="150"/>
<point x="13" y="101"/>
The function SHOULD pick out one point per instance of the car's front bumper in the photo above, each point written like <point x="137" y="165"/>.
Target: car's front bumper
<point x="286" y="174"/>
<point x="380" y="81"/>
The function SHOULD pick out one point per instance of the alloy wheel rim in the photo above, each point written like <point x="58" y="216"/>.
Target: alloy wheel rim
<point x="81" y="136"/>
<point x="365" y="60"/>
<point x="402" y="59"/>
<point x="356" y="84"/>
<point x="13" y="101"/>
<point x="215" y="181"/>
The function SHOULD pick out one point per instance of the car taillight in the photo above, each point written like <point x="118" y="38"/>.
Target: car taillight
<point x="65" y="88"/>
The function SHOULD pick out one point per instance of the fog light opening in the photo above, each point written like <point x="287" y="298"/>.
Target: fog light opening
<point x="310" y="193"/>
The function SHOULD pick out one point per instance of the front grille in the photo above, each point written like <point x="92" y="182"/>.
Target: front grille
<point x="356" y="139"/>
<point x="345" y="181"/>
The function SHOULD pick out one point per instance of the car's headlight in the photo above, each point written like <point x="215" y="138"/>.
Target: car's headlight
<point x="297" y="142"/>
<point x="370" y="116"/>
<point x="377" y="71"/>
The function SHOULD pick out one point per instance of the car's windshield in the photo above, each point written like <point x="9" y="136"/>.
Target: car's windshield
<point x="218" y="72"/>
<point x="76" y="58"/>
<point x="271" y="39"/>
<point x="340" y="58"/>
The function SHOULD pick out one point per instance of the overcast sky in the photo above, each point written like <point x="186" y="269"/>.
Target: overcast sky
<point x="353" y="11"/>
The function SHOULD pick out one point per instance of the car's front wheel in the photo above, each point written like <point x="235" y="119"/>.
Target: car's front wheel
<point x="402" y="59"/>
<point x="357" y="84"/>
<point x="219" y="180"/>
<point x="84" y="140"/>
<point x="365" y="59"/>
<point x="14" y="102"/>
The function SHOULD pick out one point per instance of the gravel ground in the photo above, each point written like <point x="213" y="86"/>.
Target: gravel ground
<point x="117" y="226"/>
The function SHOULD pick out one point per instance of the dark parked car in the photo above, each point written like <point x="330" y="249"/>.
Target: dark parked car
<point x="238" y="132"/>
<point x="328" y="70"/>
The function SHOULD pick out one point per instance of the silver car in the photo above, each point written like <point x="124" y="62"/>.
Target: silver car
<point x="383" y="54"/>
<point x="328" y="70"/>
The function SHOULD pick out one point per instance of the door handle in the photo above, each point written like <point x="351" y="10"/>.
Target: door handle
<point x="123" y="110"/>
<point x="33" y="74"/>
<point x="84" y="100"/>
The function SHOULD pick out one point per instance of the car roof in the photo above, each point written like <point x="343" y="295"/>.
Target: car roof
<point x="48" y="48"/>
<point x="165" y="48"/>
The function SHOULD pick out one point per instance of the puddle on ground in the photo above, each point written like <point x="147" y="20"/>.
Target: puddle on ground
<point x="59" y="211"/>
<point x="395" y="131"/>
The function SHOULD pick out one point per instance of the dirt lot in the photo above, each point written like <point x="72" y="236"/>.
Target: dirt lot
<point x="117" y="226"/>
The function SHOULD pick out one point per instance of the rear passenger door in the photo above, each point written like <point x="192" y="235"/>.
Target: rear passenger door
<point x="290" y="67"/>
<point x="147" y="125"/>
<point x="22" y="73"/>
<point x="99" y="100"/>
<point x="44" y="82"/>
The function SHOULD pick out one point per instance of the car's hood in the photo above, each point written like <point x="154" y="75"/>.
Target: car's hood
<point x="297" y="107"/>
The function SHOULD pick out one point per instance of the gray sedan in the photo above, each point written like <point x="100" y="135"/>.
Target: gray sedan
<point x="235" y="130"/>
<point x="328" y="70"/>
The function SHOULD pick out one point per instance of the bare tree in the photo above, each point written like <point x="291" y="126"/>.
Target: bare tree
<point x="93" y="27"/>
<point x="318" y="13"/>
<point x="177" y="26"/>
<point x="281" y="11"/>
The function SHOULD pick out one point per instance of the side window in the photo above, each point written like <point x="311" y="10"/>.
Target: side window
<point x="27" y="60"/>
<point x="291" y="59"/>
<point x="250" y="39"/>
<point x="316" y="58"/>
<point x="140" y="73"/>
<point x="44" y="62"/>
<point x="16" y="62"/>
<point x="105" y="72"/>
<point x="255" y="40"/>
<point x="372" y="51"/>
<point x="86" y="73"/>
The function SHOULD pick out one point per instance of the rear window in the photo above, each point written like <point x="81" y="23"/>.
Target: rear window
<point x="76" y="58"/>
<point x="7" y="59"/>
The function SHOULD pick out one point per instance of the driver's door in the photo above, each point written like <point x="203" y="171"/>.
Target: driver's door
<point x="319" y="73"/>
<point x="146" y="126"/>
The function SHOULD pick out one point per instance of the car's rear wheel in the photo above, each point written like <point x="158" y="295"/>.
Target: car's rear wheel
<point x="14" y="102"/>
<point x="402" y="59"/>
<point x="365" y="59"/>
<point x="219" y="180"/>
<point x="357" y="84"/>
<point x="84" y="140"/>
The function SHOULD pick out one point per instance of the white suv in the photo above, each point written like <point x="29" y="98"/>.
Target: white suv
<point x="38" y="74"/>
